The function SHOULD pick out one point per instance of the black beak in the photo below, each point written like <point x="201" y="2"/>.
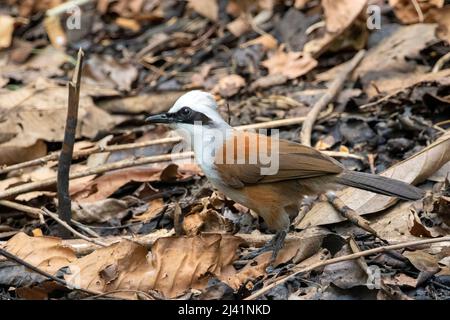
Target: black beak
<point x="160" y="118"/>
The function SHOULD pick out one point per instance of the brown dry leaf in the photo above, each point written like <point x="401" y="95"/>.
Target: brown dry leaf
<point x="206" y="8"/>
<point x="407" y="12"/>
<point x="153" y="103"/>
<point x="37" y="67"/>
<point x="99" y="211"/>
<point x="105" y="185"/>
<point x="413" y="170"/>
<point x="6" y="31"/>
<point x="399" y="223"/>
<point x="55" y="31"/>
<point x="339" y="16"/>
<point x="46" y="253"/>
<point x="300" y="4"/>
<point x="400" y="279"/>
<point x="35" y="112"/>
<point x="105" y="71"/>
<point x="423" y="261"/>
<point x="267" y="41"/>
<point x="239" y="26"/>
<point x="298" y="250"/>
<point x="175" y="265"/>
<point x="203" y="219"/>
<point x="27" y="8"/>
<point x="290" y="64"/>
<point x="230" y="85"/>
<point x="442" y="18"/>
<point x="345" y="274"/>
<point x="389" y="60"/>
<point x="20" y="149"/>
<point x="126" y="23"/>
<point x="155" y="207"/>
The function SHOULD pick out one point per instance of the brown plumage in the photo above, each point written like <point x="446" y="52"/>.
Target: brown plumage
<point x="302" y="171"/>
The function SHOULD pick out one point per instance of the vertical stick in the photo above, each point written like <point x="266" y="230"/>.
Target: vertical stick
<point x="334" y="89"/>
<point x="65" y="159"/>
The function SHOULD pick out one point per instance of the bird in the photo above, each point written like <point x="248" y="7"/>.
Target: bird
<point x="232" y="160"/>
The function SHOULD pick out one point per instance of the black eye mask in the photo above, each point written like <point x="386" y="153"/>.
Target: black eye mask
<point x="184" y="115"/>
<point x="189" y="116"/>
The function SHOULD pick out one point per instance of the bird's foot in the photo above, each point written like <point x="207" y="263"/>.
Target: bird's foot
<point x="275" y="244"/>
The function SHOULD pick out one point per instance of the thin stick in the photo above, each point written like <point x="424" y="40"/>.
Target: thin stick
<point x="32" y="186"/>
<point x="87" y="152"/>
<point x="350" y="214"/>
<point x="441" y="62"/>
<point x="30" y="211"/>
<point x="69" y="228"/>
<point x="65" y="159"/>
<point x="16" y="259"/>
<point x="330" y="94"/>
<point x="346" y="258"/>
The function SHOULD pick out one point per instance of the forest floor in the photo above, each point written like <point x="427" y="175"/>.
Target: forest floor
<point x="144" y="222"/>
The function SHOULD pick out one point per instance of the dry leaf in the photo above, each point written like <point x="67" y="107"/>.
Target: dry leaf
<point x="155" y="207"/>
<point x="46" y="253"/>
<point x="55" y="31"/>
<point x="105" y="71"/>
<point x="307" y="244"/>
<point x="6" y="31"/>
<point x="339" y="16"/>
<point x="290" y="64"/>
<point x="413" y="170"/>
<point x="267" y="41"/>
<point x="239" y="26"/>
<point x="206" y="8"/>
<point x="204" y="219"/>
<point x="389" y="60"/>
<point x="174" y="266"/>
<point x="105" y="185"/>
<point x="35" y="113"/>
<point x="442" y="18"/>
<point x="407" y="12"/>
<point x="99" y="211"/>
<point x="153" y="103"/>
<point x="230" y="85"/>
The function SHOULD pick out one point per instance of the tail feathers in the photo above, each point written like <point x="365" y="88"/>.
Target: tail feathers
<point x="380" y="184"/>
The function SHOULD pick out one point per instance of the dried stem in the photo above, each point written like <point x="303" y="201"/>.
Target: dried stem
<point x="330" y="94"/>
<point x="32" y="186"/>
<point x="65" y="159"/>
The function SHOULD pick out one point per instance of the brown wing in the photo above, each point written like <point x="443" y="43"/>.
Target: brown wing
<point x="295" y="161"/>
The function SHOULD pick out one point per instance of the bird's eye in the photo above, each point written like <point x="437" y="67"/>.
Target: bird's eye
<point x="185" y="111"/>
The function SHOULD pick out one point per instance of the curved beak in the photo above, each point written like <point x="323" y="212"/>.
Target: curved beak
<point x="159" y="118"/>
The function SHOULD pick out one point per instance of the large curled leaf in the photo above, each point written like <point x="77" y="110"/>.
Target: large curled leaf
<point x="46" y="253"/>
<point x="412" y="170"/>
<point x="175" y="265"/>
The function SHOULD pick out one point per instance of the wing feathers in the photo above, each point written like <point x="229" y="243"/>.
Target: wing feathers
<point x="295" y="161"/>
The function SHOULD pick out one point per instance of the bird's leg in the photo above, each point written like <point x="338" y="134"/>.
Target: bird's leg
<point x="277" y="243"/>
<point x="274" y="245"/>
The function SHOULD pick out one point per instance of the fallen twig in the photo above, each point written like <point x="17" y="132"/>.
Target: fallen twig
<point x="346" y="258"/>
<point x="32" y="186"/>
<point x="441" y="62"/>
<point x="350" y="214"/>
<point x="69" y="228"/>
<point x="330" y="94"/>
<point x="65" y="159"/>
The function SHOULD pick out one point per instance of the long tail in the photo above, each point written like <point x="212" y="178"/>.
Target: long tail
<point x="380" y="184"/>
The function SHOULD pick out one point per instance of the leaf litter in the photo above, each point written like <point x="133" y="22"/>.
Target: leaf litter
<point x="169" y="234"/>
